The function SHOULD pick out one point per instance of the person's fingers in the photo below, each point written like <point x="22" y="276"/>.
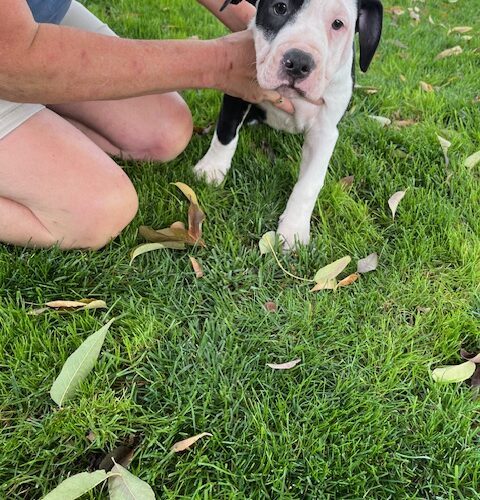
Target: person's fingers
<point x="286" y="105"/>
<point x="278" y="101"/>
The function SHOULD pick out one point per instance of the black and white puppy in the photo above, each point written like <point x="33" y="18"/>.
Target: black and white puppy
<point x="304" y="49"/>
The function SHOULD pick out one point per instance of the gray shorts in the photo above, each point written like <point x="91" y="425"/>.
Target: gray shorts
<point x="13" y="114"/>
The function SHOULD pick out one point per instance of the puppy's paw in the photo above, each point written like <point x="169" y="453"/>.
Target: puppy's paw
<point x="210" y="171"/>
<point x="293" y="235"/>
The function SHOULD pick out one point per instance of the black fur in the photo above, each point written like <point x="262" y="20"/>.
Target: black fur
<point x="232" y="114"/>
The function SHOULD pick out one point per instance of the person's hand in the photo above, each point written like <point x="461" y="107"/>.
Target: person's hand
<point x="237" y="74"/>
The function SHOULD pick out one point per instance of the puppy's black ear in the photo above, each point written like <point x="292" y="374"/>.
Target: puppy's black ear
<point x="227" y="3"/>
<point x="369" y="27"/>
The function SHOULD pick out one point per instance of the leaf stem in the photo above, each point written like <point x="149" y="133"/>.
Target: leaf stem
<point x="283" y="269"/>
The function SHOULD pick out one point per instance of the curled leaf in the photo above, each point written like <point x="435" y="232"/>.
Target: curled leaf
<point x="332" y="270"/>
<point x="186" y="443"/>
<point x="284" y="366"/>
<point x="474" y="358"/>
<point x="196" y="267"/>
<point x="70" y="306"/>
<point x="426" y="87"/>
<point x="348" y="280"/>
<point x="347" y="182"/>
<point x="445" y="147"/>
<point x="150" y="247"/>
<point x="368" y="264"/>
<point x="78" y="366"/>
<point x="267" y="242"/>
<point x="460" y="29"/>
<point x="187" y="191"/>
<point x="394" y="201"/>
<point x="454" y="51"/>
<point x="196" y="215"/>
<point x="455" y="373"/>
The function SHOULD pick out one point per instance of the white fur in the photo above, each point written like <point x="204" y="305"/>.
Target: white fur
<point x="331" y="81"/>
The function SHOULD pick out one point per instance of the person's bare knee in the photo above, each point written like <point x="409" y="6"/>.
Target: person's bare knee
<point x="163" y="141"/>
<point x="102" y="216"/>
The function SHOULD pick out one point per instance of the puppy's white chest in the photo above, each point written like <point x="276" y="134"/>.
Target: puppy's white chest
<point x="303" y="118"/>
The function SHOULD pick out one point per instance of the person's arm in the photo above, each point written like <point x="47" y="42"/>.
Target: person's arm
<point x="54" y="64"/>
<point x="236" y="17"/>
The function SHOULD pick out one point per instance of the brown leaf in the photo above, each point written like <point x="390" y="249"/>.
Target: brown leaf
<point x="186" y="443"/>
<point x="203" y="130"/>
<point x="404" y="123"/>
<point x="460" y="29"/>
<point x="348" y="181"/>
<point x="395" y="10"/>
<point x="348" y="280"/>
<point x="122" y="455"/>
<point x="169" y="237"/>
<point x="284" y="366"/>
<point x="196" y="267"/>
<point x="177" y="225"/>
<point x="454" y="51"/>
<point x="426" y="87"/>
<point x="475" y="380"/>
<point x="271" y="306"/>
<point x="70" y="306"/>
<point x="195" y="213"/>
<point x="368" y="264"/>
<point x="394" y="200"/>
<point x="91" y="436"/>
<point x="366" y="89"/>
<point x="474" y="358"/>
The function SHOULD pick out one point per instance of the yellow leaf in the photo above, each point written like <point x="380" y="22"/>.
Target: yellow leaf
<point x="187" y="191"/>
<point x="454" y="51"/>
<point x="186" y="443"/>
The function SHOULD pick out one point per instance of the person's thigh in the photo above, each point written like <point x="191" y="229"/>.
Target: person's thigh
<point x="53" y="178"/>
<point x="156" y="127"/>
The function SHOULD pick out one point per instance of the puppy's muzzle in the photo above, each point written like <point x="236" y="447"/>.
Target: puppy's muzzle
<point x="297" y="65"/>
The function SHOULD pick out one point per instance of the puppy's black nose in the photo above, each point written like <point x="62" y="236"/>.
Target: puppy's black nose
<point x="298" y="64"/>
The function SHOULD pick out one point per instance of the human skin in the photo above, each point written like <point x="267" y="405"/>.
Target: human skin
<point x="57" y="185"/>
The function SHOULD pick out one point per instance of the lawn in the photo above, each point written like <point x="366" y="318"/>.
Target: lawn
<point x="360" y="416"/>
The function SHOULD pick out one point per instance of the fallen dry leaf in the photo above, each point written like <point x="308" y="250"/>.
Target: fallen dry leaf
<point x="186" y="443"/>
<point x="284" y="366"/>
<point x="445" y="147"/>
<point x="385" y="122"/>
<point x="267" y="242"/>
<point x="454" y="51"/>
<point x="426" y="87"/>
<point x="196" y="267"/>
<point x="270" y="306"/>
<point x="329" y="284"/>
<point x="474" y="358"/>
<point x="70" y="306"/>
<point x="348" y="181"/>
<point x="348" y="280"/>
<point x="460" y="29"/>
<point x="396" y="10"/>
<point x="472" y="160"/>
<point x="394" y="200"/>
<point x="475" y="380"/>
<point x="122" y="455"/>
<point x="203" y="130"/>
<point x="366" y="89"/>
<point x="332" y="270"/>
<point x="177" y="225"/>
<point x="368" y="264"/>
<point x="414" y="14"/>
<point x="404" y="123"/>
<point x="150" y="247"/>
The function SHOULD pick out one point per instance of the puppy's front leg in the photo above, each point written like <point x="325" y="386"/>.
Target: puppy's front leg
<point x="320" y="140"/>
<point x="218" y="160"/>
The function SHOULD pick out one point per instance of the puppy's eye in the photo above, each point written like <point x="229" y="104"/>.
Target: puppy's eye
<point x="337" y="24"/>
<point x="280" y="8"/>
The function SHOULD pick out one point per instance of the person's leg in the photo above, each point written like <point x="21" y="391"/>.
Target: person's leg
<point x="156" y="127"/>
<point x="57" y="187"/>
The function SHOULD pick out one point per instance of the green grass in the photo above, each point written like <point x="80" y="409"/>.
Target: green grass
<point x="360" y="417"/>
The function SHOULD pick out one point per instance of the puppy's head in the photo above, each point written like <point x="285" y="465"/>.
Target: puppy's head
<point x="301" y="44"/>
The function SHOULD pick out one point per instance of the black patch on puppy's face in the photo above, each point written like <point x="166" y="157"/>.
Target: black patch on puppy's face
<point x="273" y="15"/>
